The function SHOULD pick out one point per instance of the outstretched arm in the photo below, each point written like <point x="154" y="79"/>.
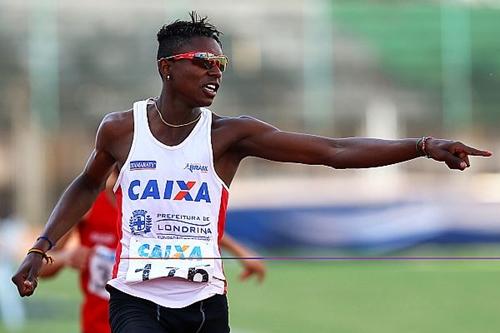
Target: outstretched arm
<point x="265" y="141"/>
<point x="251" y="266"/>
<point x="70" y="208"/>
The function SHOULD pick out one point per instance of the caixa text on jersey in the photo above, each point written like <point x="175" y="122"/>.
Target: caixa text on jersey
<point x="168" y="190"/>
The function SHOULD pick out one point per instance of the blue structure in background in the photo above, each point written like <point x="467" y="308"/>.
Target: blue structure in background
<point x="377" y="227"/>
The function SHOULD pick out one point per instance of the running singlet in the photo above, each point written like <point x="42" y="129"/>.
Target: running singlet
<point x="98" y="232"/>
<point x="173" y="208"/>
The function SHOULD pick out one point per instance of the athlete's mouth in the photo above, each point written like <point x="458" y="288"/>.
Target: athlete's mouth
<point x="211" y="89"/>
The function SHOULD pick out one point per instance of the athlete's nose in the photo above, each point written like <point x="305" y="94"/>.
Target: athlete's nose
<point x="215" y="72"/>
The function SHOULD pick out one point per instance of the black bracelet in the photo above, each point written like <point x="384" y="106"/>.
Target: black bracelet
<point x="45" y="238"/>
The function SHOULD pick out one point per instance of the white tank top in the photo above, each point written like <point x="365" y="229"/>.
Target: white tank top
<point x="172" y="213"/>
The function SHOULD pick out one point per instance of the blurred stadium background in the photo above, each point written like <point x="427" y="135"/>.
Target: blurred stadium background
<point x="386" y="69"/>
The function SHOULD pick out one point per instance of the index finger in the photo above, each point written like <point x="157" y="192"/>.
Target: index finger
<point x="476" y="152"/>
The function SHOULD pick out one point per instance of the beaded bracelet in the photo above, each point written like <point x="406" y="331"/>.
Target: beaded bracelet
<point x="48" y="259"/>
<point x="424" y="146"/>
<point x="45" y="238"/>
<point x="418" y="147"/>
<point x="421" y="146"/>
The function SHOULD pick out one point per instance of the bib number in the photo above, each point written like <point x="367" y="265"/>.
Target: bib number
<point x="152" y="258"/>
<point x="100" y="269"/>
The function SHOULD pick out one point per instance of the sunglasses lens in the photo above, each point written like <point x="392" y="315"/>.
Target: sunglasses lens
<point x="221" y="62"/>
<point x="203" y="63"/>
<point x="208" y="62"/>
<point x="217" y="63"/>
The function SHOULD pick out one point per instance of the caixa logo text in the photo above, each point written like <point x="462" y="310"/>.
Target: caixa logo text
<point x="168" y="190"/>
<point x="169" y="251"/>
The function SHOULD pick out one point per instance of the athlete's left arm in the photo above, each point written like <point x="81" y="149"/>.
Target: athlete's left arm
<point x="263" y="140"/>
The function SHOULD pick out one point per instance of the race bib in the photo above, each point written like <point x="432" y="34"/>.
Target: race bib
<point x="151" y="258"/>
<point x="100" y="268"/>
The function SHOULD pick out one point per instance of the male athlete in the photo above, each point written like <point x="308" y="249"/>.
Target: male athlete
<point x="94" y="256"/>
<point x="176" y="160"/>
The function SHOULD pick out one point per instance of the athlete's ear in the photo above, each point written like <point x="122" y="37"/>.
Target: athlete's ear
<point x="164" y="68"/>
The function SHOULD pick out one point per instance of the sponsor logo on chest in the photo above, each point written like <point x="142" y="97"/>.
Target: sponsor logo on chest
<point x="142" y="165"/>
<point x="196" y="167"/>
<point x="169" y="190"/>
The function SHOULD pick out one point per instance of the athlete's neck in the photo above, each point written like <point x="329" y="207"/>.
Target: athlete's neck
<point x="175" y="110"/>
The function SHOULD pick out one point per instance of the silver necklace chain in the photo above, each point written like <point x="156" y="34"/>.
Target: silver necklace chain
<point x="174" y="125"/>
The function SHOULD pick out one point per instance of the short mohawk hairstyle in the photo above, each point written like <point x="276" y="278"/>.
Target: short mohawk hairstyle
<point x="172" y="36"/>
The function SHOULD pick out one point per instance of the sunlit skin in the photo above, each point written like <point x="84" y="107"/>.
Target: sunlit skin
<point x="233" y="139"/>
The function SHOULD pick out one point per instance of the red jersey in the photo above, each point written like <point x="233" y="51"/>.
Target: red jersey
<point x="98" y="231"/>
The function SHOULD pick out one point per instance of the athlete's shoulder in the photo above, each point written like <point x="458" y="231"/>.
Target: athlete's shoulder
<point x="115" y="133"/>
<point x="238" y="123"/>
<point x="117" y="123"/>
<point x="218" y="119"/>
<point x="240" y="126"/>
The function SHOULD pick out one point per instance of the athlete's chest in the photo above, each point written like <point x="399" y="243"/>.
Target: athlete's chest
<point x="220" y="139"/>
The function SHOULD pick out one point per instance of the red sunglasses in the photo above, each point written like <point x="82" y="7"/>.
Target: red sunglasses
<point x="203" y="59"/>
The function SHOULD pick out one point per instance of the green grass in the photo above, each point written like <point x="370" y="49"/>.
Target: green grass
<point x="370" y="297"/>
<point x="329" y="297"/>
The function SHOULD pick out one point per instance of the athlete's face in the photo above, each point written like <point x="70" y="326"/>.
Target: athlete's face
<point x="190" y="81"/>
